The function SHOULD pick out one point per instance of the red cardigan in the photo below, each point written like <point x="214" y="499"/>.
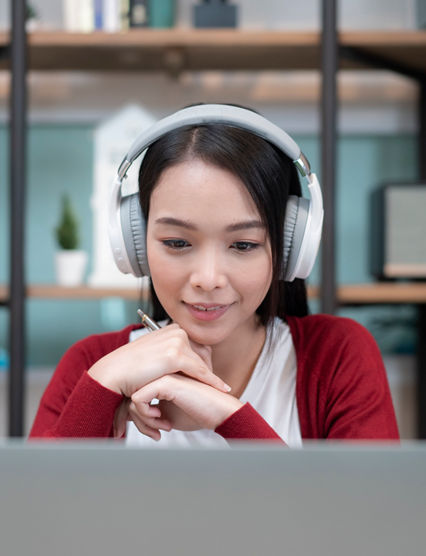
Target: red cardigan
<point x="341" y="388"/>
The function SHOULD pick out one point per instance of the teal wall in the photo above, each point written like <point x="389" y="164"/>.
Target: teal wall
<point x="60" y="159"/>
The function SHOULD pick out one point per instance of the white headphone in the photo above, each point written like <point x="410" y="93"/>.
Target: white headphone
<point x="303" y="219"/>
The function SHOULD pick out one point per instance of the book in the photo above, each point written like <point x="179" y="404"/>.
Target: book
<point x="124" y="14"/>
<point x="98" y="8"/>
<point x="111" y="15"/>
<point x="78" y="16"/>
<point x="138" y="13"/>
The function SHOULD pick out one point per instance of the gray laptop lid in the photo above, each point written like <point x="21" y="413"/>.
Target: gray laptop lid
<point x="77" y="499"/>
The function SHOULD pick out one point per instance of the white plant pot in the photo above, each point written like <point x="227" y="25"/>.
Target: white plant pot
<point x="70" y="266"/>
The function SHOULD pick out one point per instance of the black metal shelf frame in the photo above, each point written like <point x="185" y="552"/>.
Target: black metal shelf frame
<point x="329" y="100"/>
<point x="17" y="172"/>
<point x="18" y="131"/>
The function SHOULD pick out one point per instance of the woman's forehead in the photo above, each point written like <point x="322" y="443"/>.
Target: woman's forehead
<point x="194" y="184"/>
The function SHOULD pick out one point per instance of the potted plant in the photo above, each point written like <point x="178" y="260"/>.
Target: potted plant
<point x="70" y="261"/>
<point x="31" y="17"/>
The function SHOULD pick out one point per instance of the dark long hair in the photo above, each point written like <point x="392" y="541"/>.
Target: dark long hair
<point x="269" y="176"/>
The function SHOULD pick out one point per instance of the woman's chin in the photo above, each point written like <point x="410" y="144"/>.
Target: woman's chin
<point x="205" y="333"/>
<point x="205" y="339"/>
<point x="204" y="336"/>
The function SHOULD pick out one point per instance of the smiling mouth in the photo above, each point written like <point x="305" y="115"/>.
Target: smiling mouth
<point x="206" y="308"/>
<point x="206" y="311"/>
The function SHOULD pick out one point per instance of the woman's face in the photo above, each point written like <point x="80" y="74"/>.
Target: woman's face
<point x="209" y="253"/>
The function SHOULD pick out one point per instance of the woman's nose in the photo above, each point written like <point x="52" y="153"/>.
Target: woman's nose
<point x="208" y="272"/>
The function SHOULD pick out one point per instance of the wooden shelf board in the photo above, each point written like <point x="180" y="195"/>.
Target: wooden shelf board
<point x="380" y="293"/>
<point x="159" y="50"/>
<point x="210" y="49"/>
<point x="383" y="292"/>
<point x="48" y="291"/>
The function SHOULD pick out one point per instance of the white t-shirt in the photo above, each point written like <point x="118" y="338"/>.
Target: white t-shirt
<point x="271" y="390"/>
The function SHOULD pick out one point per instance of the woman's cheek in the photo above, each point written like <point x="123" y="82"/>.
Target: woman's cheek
<point x="260" y="277"/>
<point x="159" y="264"/>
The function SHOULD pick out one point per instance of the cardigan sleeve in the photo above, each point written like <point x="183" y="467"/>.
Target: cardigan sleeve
<point x="74" y="405"/>
<point x="342" y="387"/>
<point x="247" y="424"/>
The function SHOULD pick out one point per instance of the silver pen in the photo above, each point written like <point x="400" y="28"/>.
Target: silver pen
<point x="148" y="321"/>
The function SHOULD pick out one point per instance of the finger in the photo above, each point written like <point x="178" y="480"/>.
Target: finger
<point x="153" y="433"/>
<point x="142" y="412"/>
<point x="178" y="355"/>
<point x="149" y="410"/>
<point x="195" y="367"/>
<point x="145" y="410"/>
<point x="157" y="424"/>
<point x="162" y="424"/>
<point x="195" y="362"/>
<point x="120" y="419"/>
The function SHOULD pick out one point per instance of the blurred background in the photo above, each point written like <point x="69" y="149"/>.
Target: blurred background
<point x="81" y="123"/>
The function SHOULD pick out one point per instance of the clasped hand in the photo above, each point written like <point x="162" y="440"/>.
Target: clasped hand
<point x="167" y="366"/>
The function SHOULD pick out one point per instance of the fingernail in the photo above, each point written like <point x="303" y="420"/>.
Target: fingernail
<point x="227" y="387"/>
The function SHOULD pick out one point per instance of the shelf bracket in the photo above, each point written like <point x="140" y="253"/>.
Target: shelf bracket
<point x="5" y="52"/>
<point x="379" y="62"/>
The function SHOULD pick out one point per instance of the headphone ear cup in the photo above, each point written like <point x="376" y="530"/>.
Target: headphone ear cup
<point x="295" y="224"/>
<point x="133" y="228"/>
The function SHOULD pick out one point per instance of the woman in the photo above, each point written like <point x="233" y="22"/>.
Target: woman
<point x="237" y="355"/>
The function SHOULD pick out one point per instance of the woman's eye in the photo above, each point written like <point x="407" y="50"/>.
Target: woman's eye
<point x="244" y="245"/>
<point x="175" y="243"/>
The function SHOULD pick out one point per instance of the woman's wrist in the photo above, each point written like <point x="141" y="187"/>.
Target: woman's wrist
<point x="232" y="406"/>
<point x="105" y="377"/>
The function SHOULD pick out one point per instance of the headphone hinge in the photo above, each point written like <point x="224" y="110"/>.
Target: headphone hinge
<point x="302" y="164"/>
<point x="122" y="170"/>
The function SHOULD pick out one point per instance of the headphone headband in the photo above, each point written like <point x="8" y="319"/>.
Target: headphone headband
<point x="217" y="114"/>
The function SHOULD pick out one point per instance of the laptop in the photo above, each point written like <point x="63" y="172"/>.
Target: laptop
<point x="103" y="498"/>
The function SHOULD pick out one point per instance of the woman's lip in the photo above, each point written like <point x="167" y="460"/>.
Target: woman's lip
<point x="206" y="311"/>
<point x="207" y="306"/>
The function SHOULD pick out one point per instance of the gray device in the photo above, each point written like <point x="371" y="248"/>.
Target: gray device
<point x="106" y="499"/>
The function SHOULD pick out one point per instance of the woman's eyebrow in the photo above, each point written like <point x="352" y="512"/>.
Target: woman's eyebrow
<point x="176" y="222"/>
<point x="237" y="226"/>
<point x="247" y="225"/>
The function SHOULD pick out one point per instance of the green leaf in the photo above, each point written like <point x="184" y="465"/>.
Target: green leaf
<point x="67" y="234"/>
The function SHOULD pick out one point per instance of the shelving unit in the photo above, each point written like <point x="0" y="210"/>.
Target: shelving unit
<point x="350" y="294"/>
<point x="224" y="49"/>
<point x="175" y="51"/>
